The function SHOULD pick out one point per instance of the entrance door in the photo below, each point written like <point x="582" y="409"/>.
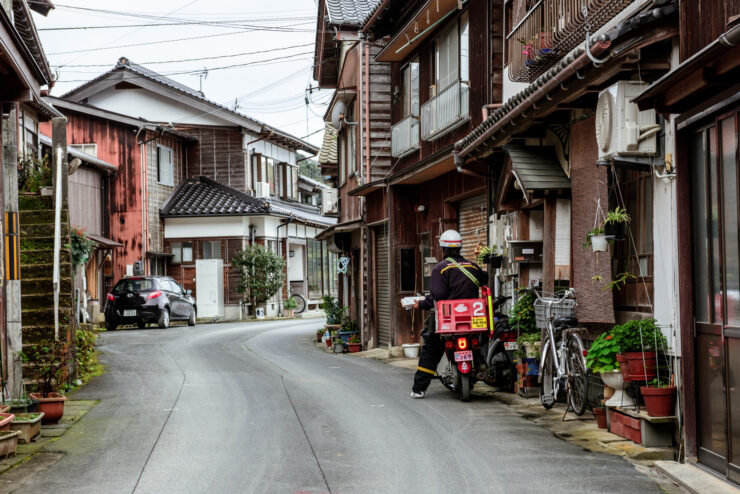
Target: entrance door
<point x="188" y="278"/>
<point x="716" y="287"/>
<point x="383" y="284"/>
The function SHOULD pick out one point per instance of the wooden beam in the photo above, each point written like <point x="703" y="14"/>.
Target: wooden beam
<point x="548" y="245"/>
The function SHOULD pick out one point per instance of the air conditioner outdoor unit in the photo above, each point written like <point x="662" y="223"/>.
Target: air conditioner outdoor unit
<point x="329" y="201"/>
<point x="621" y="129"/>
<point x="263" y="190"/>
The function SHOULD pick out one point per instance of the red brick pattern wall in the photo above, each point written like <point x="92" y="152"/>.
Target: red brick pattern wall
<point x="587" y="183"/>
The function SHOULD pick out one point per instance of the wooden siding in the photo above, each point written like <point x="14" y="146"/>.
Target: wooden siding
<point x="157" y="193"/>
<point x="715" y="18"/>
<point x="218" y="155"/>
<point x="479" y="32"/>
<point x="380" y="115"/>
<point x="86" y="206"/>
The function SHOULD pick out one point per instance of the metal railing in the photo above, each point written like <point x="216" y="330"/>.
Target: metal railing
<point x="551" y="29"/>
<point x="405" y="136"/>
<point x="446" y="110"/>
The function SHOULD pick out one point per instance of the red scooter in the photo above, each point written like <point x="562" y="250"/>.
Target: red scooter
<point x="464" y="327"/>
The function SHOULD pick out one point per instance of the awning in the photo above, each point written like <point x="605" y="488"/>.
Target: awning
<point x="696" y="79"/>
<point x="104" y="242"/>
<point x="159" y="255"/>
<point x="367" y="188"/>
<point x="346" y="227"/>
<point x="88" y="159"/>
<point x="328" y="153"/>
<point x="420" y="27"/>
<point x="530" y="172"/>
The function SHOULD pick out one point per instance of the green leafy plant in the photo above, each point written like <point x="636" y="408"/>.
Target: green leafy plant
<point x="349" y="325"/>
<point x="527" y="339"/>
<point x="261" y="273"/>
<point x="85" y="350"/>
<point x="81" y="246"/>
<point x="618" y="215"/>
<point x="619" y="281"/>
<point x="522" y="313"/>
<point x="594" y="231"/>
<point x="334" y="311"/>
<point x="354" y="339"/>
<point x="33" y="173"/>
<point x="602" y="356"/>
<point x="639" y="335"/>
<point x="46" y="364"/>
<point x="290" y="304"/>
<point x="659" y="383"/>
<point x="597" y="277"/>
<point x="485" y="252"/>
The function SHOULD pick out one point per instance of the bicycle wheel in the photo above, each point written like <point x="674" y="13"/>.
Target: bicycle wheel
<point x="578" y="378"/>
<point x="301" y="301"/>
<point x="547" y="397"/>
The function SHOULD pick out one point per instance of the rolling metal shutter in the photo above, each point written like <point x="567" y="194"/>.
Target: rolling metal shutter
<point x="382" y="278"/>
<point x="473" y="224"/>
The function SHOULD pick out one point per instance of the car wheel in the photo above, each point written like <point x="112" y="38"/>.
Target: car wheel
<point x="110" y="326"/>
<point x="164" y="319"/>
<point x="141" y="324"/>
<point x="191" y="319"/>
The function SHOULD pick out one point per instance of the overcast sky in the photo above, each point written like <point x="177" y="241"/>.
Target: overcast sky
<point x="272" y="88"/>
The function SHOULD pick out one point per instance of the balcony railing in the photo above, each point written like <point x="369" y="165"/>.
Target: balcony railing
<point x="405" y="137"/>
<point x="551" y="29"/>
<point x="445" y="111"/>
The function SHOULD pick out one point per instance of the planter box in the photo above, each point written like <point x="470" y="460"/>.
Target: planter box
<point x="5" y="420"/>
<point x="29" y="429"/>
<point x="354" y="347"/>
<point x="625" y="426"/>
<point x="52" y="406"/>
<point x="8" y="442"/>
<point x="346" y="335"/>
<point x="5" y="409"/>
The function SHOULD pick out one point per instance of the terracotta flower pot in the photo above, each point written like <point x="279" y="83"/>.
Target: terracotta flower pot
<point x="624" y="367"/>
<point x="600" y="414"/>
<point x="639" y="369"/>
<point x="354" y="347"/>
<point x="660" y="402"/>
<point x="5" y="420"/>
<point x="328" y="342"/>
<point x="52" y="406"/>
<point x="4" y="408"/>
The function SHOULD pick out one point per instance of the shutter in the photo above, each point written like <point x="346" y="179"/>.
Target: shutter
<point x="473" y="224"/>
<point x="383" y="283"/>
<point x="562" y="232"/>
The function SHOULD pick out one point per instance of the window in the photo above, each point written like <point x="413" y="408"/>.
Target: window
<point x="408" y="270"/>
<point x="182" y="252"/>
<point x="289" y="187"/>
<point x="28" y="134"/>
<point x="212" y="249"/>
<point x="165" y="172"/>
<point x="410" y="89"/>
<point x="451" y="54"/>
<point x="91" y="149"/>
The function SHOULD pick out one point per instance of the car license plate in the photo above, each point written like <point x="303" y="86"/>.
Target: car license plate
<point x="511" y="345"/>
<point x="129" y="313"/>
<point x="464" y="356"/>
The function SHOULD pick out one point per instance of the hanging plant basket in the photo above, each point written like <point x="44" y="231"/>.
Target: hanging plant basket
<point x="616" y="231"/>
<point x="493" y="261"/>
<point x="599" y="243"/>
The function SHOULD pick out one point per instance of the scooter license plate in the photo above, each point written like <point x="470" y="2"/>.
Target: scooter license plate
<point x="464" y="356"/>
<point x="511" y="345"/>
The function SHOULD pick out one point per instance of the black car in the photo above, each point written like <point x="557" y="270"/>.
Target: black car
<point x="149" y="299"/>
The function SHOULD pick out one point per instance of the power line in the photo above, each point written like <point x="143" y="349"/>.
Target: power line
<point x="158" y="62"/>
<point x="286" y="29"/>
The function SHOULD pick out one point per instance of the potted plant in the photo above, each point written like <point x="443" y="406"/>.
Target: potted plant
<point x="347" y="329"/>
<point x="320" y="334"/>
<point x="354" y="344"/>
<point x="334" y="312"/>
<point x="5" y="420"/>
<point x="338" y="346"/>
<point x="28" y="424"/>
<point x="660" y="398"/>
<point x="490" y="256"/>
<point x="600" y="414"/>
<point x="602" y="359"/>
<point x="639" y="341"/>
<point x="289" y="306"/>
<point x="46" y="364"/>
<point x="8" y="442"/>
<point x="596" y="238"/>
<point x="529" y="345"/>
<point x="615" y="223"/>
<point x="34" y="175"/>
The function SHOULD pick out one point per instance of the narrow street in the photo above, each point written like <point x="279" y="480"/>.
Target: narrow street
<point x="257" y="408"/>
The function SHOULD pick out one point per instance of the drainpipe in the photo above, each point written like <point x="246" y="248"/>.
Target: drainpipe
<point x="287" y="263"/>
<point x="57" y="236"/>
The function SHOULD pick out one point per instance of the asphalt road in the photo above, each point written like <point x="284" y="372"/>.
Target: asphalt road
<point x="257" y="408"/>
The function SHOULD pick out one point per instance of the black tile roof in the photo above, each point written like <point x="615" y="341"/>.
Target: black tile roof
<point x="201" y="196"/>
<point x="350" y="12"/>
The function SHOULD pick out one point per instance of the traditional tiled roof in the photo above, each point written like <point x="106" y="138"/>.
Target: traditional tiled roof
<point x="265" y="130"/>
<point x="301" y="212"/>
<point x="350" y="12"/>
<point x="26" y="28"/>
<point x="328" y="153"/>
<point x="201" y="196"/>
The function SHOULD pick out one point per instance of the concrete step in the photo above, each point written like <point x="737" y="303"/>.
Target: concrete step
<point x="35" y="202"/>
<point x="44" y="271"/>
<point x="44" y="317"/>
<point x="43" y="301"/>
<point x="37" y="334"/>
<point x="30" y="286"/>
<point x="43" y="256"/>
<point x="43" y="216"/>
<point x="39" y="243"/>
<point x="41" y="230"/>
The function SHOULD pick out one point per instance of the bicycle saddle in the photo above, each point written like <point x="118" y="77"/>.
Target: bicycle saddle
<point x="565" y="322"/>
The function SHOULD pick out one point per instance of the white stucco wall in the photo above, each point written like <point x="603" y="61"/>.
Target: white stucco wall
<point x="295" y="265"/>
<point x="226" y="226"/>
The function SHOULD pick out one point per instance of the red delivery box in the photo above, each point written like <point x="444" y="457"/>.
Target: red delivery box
<point x="461" y="316"/>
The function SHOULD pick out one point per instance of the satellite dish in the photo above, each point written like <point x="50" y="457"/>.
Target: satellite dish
<point x="74" y="165"/>
<point x="337" y="115"/>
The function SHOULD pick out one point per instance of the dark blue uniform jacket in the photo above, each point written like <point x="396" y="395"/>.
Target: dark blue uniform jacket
<point x="450" y="283"/>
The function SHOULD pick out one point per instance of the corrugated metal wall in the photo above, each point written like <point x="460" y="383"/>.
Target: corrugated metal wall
<point x="382" y="278"/>
<point x="473" y="224"/>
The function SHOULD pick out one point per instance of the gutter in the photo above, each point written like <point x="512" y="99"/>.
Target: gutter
<point x="379" y="11"/>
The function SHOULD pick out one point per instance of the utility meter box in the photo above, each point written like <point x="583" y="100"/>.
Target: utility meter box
<point x="209" y="287"/>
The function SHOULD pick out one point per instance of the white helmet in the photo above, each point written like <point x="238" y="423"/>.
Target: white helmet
<point x="450" y="239"/>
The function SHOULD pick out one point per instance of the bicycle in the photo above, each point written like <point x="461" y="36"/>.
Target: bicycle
<point x="563" y="364"/>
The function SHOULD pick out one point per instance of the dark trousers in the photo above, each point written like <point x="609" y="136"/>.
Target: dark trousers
<point x="429" y="357"/>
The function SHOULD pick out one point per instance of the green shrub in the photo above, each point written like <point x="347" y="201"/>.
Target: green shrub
<point x="81" y="247"/>
<point x="602" y="356"/>
<point x="260" y="273"/>
<point x="522" y="313"/>
<point x="334" y="311"/>
<point x="290" y="304"/>
<point x="638" y="335"/>
<point x="85" y="354"/>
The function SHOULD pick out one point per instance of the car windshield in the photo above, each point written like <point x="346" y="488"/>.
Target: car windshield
<point x="135" y="285"/>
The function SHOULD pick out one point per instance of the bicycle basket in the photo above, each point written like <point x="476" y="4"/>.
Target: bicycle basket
<point x="560" y="308"/>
